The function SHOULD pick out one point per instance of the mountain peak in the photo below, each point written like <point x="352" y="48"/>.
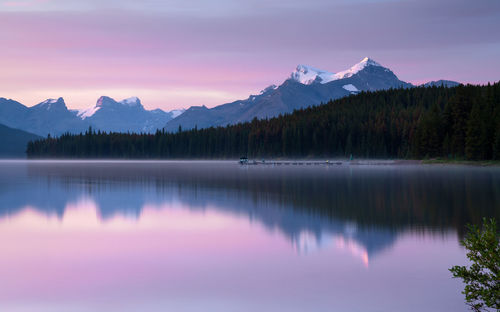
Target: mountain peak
<point x="132" y="101"/>
<point x="369" y="61"/>
<point x="308" y="75"/>
<point x="103" y="100"/>
<point x="53" y="101"/>
<point x="357" y="68"/>
<point x="51" y="104"/>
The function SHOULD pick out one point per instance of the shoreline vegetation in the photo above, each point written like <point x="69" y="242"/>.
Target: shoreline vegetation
<point x="434" y="124"/>
<point x="464" y="162"/>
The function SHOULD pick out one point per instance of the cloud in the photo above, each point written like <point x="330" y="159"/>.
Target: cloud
<point x="238" y="47"/>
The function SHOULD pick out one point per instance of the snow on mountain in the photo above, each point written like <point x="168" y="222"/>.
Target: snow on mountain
<point x="49" y="103"/>
<point x="124" y="116"/>
<point x="307" y="86"/>
<point x="270" y="88"/>
<point x="105" y="101"/>
<point x="48" y="117"/>
<point x="87" y="112"/>
<point x="356" y="68"/>
<point x="132" y="101"/>
<point x="308" y="75"/>
<point x="350" y="88"/>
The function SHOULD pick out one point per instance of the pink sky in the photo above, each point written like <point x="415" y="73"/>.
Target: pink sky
<point x="172" y="54"/>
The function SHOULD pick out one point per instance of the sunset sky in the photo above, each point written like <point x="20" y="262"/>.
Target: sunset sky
<point x="177" y="53"/>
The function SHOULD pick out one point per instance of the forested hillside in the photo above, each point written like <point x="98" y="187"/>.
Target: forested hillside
<point x="13" y="142"/>
<point x="459" y="122"/>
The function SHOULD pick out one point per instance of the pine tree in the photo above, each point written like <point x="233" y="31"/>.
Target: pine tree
<point x="496" y="144"/>
<point x="417" y="122"/>
<point x="474" y="142"/>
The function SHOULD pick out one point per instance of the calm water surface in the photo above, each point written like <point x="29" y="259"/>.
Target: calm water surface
<point x="216" y="236"/>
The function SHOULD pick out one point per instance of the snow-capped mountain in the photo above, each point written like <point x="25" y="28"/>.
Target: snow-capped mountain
<point x="48" y="117"/>
<point x="308" y="75"/>
<point x="133" y="101"/>
<point x="306" y="86"/>
<point x="127" y="115"/>
<point x="51" y="104"/>
<point x="53" y="117"/>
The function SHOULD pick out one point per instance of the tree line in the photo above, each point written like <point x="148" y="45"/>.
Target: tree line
<point x="461" y="123"/>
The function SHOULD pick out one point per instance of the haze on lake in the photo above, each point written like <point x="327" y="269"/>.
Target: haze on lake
<point x="217" y="236"/>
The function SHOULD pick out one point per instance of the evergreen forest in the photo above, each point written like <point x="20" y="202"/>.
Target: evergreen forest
<point x="415" y="123"/>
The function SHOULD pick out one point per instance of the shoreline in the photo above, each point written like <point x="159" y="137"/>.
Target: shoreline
<point x="278" y="161"/>
<point x="477" y="163"/>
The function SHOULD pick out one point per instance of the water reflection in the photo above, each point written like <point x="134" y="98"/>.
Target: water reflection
<point x="359" y="207"/>
<point x="197" y="236"/>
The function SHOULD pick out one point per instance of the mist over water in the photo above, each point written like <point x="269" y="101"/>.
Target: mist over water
<point x="212" y="236"/>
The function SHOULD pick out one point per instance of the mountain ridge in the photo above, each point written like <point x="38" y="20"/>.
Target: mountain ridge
<point x="53" y="117"/>
<point x="306" y="86"/>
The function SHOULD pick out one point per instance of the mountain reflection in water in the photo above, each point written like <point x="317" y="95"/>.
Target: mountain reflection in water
<point x="362" y="208"/>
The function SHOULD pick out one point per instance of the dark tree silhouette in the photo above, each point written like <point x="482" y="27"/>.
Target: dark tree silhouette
<point x="459" y="123"/>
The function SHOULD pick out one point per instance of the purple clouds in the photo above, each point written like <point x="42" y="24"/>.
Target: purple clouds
<point x="172" y="54"/>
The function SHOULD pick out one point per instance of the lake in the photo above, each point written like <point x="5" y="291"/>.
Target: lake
<point x="217" y="236"/>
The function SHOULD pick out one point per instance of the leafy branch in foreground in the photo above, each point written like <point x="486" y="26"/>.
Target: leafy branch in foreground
<point x="482" y="278"/>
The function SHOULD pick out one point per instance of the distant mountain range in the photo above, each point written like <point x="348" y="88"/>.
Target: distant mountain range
<point x="54" y="118"/>
<point x="306" y="86"/>
<point x="439" y="83"/>
<point x="127" y="115"/>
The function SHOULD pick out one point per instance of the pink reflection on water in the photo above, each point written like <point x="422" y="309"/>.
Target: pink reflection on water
<point x="80" y="254"/>
<point x="308" y="242"/>
<point x="354" y="248"/>
<point x="176" y="258"/>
